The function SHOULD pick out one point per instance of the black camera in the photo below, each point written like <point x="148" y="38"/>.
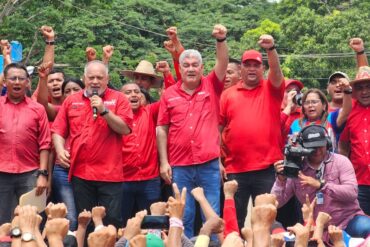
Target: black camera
<point x="294" y="156"/>
<point x="298" y="99"/>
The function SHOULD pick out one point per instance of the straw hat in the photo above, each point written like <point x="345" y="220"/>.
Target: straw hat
<point x="144" y="68"/>
<point x="363" y="75"/>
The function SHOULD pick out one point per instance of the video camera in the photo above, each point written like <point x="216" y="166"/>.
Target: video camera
<point x="293" y="160"/>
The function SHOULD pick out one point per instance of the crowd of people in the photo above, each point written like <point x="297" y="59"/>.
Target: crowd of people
<point x="217" y="140"/>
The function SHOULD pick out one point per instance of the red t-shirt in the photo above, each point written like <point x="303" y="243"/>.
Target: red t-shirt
<point x="251" y="136"/>
<point x="24" y="132"/>
<point x="96" y="150"/>
<point x="286" y="121"/>
<point x="193" y="136"/>
<point x="357" y="133"/>
<point x="140" y="157"/>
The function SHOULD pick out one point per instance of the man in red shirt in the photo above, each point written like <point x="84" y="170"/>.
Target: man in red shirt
<point x="95" y="120"/>
<point x="250" y="125"/>
<point x="24" y="142"/>
<point x="187" y="132"/>
<point x="355" y="138"/>
<point x="141" y="183"/>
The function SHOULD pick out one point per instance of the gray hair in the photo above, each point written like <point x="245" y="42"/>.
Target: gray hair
<point x="95" y="62"/>
<point x="190" y="53"/>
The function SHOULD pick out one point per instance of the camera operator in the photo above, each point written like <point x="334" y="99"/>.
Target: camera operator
<point x="329" y="177"/>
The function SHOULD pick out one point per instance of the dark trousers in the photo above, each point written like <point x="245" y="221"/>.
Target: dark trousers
<point x="364" y="198"/>
<point x="252" y="184"/>
<point x="140" y="194"/>
<point x="89" y="194"/>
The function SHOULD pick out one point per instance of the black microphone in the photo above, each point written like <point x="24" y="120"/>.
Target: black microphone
<point x="95" y="110"/>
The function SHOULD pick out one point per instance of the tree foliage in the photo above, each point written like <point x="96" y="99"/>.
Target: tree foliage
<point x="305" y="31"/>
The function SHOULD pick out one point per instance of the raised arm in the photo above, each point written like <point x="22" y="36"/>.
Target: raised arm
<point x="90" y="54"/>
<point x="49" y="37"/>
<point x="107" y="53"/>
<point x="357" y="46"/>
<point x="43" y="94"/>
<point x="275" y="74"/>
<point x="347" y="102"/>
<point x="222" y="51"/>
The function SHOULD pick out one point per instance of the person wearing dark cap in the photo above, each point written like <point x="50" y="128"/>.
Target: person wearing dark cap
<point x="355" y="138"/>
<point x="144" y="75"/>
<point x="249" y="123"/>
<point x="328" y="177"/>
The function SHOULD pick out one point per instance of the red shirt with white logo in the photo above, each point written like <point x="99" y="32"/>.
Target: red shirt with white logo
<point x="24" y="132"/>
<point x="140" y="157"/>
<point x="96" y="150"/>
<point x="357" y="133"/>
<point x="251" y="136"/>
<point x="193" y="136"/>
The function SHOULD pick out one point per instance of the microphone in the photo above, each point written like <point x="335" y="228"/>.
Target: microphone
<point x="95" y="110"/>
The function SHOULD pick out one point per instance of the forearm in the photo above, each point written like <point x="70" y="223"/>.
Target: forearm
<point x="345" y="111"/>
<point x="261" y="236"/>
<point x="55" y="242"/>
<point x="207" y="209"/>
<point x="44" y="159"/>
<point x="174" y="237"/>
<point x="361" y="60"/>
<point x="49" y="54"/>
<point x="162" y="144"/>
<point x="58" y="142"/>
<point x="229" y="215"/>
<point x="80" y="235"/>
<point x="275" y="73"/>
<point x="117" y="124"/>
<point x="222" y="59"/>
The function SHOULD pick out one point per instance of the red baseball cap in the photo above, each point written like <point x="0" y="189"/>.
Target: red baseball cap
<point x="252" y="55"/>
<point x="293" y="81"/>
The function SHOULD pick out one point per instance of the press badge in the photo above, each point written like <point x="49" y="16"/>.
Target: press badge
<point x="320" y="198"/>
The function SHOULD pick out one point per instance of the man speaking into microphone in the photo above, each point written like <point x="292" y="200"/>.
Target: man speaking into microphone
<point x="93" y="122"/>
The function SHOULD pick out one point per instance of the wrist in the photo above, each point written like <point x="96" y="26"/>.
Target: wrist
<point x="176" y="222"/>
<point x="205" y="231"/>
<point x="360" y="52"/>
<point x="50" y="42"/>
<point x="220" y="40"/>
<point x="271" y="48"/>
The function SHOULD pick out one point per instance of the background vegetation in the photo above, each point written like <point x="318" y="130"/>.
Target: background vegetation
<point x="312" y="35"/>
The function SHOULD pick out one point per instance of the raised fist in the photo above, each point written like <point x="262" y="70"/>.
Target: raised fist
<point x="219" y="31"/>
<point x="356" y="44"/>
<point x="266" y="41"/>
<point x="5" y="46"/>
<point x="48" y="33"/>
<point x="172" y="33"/>
<point x="108" y="51"/>
<point x="162" y="66"/>
<point x="169" y="46"/>
<point x="90" y="54"/>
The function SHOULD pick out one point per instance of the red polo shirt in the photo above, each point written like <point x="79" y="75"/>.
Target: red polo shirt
<point x="193" y="136"/>
<point x="24" y="132"/>
<point x="252" y="132"/>
<point x="140" y="157"/>
<point x="96" y="150"/>
<point x="357" y="133"/>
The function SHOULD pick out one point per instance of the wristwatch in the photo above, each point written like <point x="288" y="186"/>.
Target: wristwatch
<point x="104" y="112"/>
<point x="15" y="232"/>
<point x="27" y="237"/>
<point x="348" y="91"/>
<point x="44" y="173"/>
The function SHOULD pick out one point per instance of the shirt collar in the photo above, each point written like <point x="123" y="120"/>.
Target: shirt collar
<point x="25" y="100"/>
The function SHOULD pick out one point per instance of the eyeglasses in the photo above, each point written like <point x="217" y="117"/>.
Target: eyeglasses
<point x="15" y="78"/>
<point x="311" y="102"/>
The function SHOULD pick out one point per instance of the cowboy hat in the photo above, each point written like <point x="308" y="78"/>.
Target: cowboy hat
<point x="144" y="68"/>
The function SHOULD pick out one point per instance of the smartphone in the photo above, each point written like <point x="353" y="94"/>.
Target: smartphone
<point x="155" y="222"/>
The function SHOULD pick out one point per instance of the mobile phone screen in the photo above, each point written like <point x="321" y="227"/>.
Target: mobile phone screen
<point x="155" y="222"/>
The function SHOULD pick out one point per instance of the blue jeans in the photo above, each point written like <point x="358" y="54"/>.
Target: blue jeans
<point x="364" y="198"/>
<point x="207" y="176"/>
<point x="359" y="226"/>
<point x="12" y="186"/>
<point x="62" y="192"/>
<point x="140" y="194"/>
